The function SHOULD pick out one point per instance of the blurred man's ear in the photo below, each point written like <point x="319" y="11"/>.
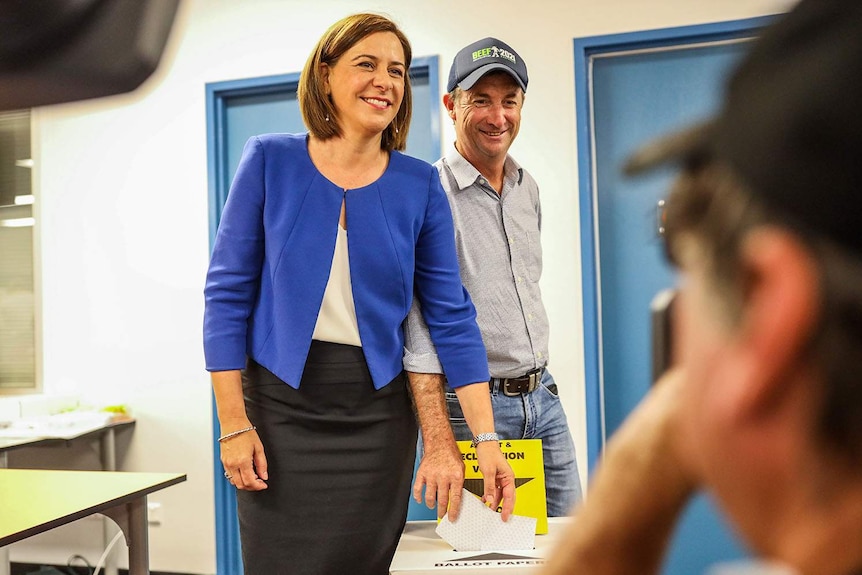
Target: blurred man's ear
<point x="779" y="314"/>
<point x="54" y="51"/>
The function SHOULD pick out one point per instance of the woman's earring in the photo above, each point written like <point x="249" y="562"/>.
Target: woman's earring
<point x="327" y="117"/>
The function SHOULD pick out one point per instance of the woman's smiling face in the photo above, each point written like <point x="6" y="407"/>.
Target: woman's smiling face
<point x="366" y="85"/>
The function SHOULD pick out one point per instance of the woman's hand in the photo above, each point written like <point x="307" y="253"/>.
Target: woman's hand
<point x="499" y="477"/>
<point x="475" y="400"/>
<point x="243" y="460"/>
<point x="241" y="453"/>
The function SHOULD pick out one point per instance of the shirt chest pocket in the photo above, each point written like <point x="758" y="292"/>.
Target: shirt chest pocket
<point x="532" y="255"/>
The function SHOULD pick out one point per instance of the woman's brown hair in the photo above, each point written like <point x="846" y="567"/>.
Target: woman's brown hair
<point x="317" y="110"/>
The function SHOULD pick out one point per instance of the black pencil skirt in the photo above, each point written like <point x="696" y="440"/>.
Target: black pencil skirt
<point x="340" y="460"/>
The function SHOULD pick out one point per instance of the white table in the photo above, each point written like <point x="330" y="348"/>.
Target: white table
<point x="422" y="552"/>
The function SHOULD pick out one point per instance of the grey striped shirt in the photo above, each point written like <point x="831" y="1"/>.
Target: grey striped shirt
<point x="499" y="250"/>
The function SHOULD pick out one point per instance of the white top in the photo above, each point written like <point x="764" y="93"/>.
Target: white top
<point x="336" y="321"/>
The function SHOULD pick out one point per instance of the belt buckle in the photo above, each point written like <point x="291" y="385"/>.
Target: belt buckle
<point x="531" y="379"/>
<point x="504" y="385"/>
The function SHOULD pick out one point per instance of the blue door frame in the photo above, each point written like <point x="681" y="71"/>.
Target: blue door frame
<point x="218" y="94"/>
<point x="585" y="49"/>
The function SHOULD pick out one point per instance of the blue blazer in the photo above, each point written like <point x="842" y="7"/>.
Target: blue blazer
<point x="273" y="253"/>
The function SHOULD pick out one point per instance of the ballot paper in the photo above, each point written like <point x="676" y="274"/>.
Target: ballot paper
<point x="479" y="528"/>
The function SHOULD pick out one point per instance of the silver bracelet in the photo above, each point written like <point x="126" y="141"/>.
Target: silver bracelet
<point x="235" y="433"/>
<point x="484" y="437"/>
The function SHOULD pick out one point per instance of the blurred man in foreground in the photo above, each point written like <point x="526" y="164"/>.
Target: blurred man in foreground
<point x="763" y="408"/>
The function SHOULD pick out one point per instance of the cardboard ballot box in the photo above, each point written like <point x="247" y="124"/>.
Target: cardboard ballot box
<point x="422" y="552"/>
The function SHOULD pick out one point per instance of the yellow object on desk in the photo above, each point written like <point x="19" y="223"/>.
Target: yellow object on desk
<point x="525" y="457"/>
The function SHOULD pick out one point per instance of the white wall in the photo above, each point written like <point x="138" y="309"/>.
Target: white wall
<point x="122" y="185"/>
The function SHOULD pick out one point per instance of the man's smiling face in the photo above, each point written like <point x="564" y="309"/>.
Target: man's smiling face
<point x="487" y="117"/>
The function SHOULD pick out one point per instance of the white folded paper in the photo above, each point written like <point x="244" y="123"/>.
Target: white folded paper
<point x="480" y="528"/>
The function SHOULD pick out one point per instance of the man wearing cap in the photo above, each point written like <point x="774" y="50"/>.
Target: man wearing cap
<point x="762" y="408"/>
<point x="497" y="213"/>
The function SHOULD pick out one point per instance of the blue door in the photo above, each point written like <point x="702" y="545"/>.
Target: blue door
<point x="238" y="110"/>
<point x="631" y="88"/>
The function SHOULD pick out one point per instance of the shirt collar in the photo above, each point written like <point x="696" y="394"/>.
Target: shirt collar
<point x="466" y="174"/>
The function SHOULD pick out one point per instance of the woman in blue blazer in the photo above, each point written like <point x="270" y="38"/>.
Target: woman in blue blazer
<point x="323" y="242"/>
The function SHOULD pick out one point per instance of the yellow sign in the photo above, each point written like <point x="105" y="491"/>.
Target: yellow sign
<point x="525" y="457"/>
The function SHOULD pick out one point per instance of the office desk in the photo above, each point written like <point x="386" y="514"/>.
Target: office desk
<point x="33" y="501"/>
<point x="422" y="552"/>
<point x="104" y="432"/>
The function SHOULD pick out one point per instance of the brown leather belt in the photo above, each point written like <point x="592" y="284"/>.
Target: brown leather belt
<point x="512" y="386"/>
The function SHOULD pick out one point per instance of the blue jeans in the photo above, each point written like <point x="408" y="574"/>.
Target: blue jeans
<point x="536" y="415"/>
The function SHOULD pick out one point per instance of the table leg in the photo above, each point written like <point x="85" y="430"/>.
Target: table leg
<point x="4" y="561"/>
<point x="108" y="450"/>
<point x="108" y="456"/>
<point x="132" y="519"/>
<point x="139" y="542"/>
<point x="4" y="551"/>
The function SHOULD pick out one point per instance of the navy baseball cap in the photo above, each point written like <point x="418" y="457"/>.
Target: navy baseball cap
<point x="790" y="124"/>
<point x="479" y="58"/>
